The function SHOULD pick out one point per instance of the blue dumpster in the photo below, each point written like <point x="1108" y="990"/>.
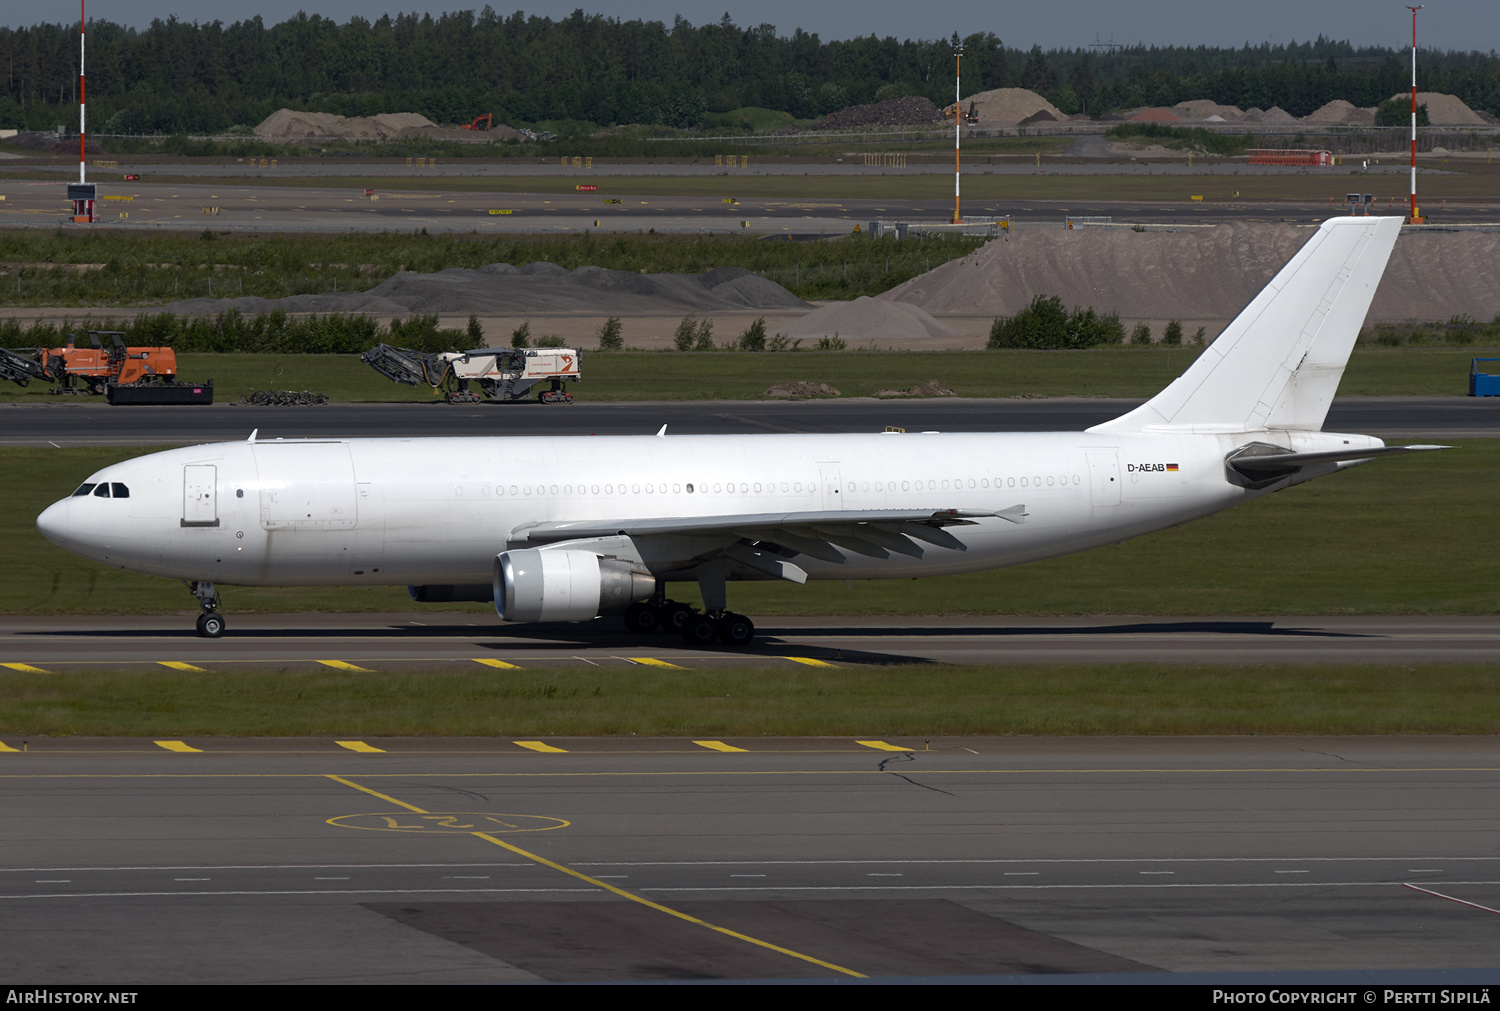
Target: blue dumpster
<point x="1483" y="384"/>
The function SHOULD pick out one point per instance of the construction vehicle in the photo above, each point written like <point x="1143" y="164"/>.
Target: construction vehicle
<point x="125" y="375"/>
<point x="971" y="117"/>
<point x="488" y="119"/>
<point x="504" y="374"/>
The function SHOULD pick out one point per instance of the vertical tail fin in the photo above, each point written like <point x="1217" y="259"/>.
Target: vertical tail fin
<point x="1279" y="363"/>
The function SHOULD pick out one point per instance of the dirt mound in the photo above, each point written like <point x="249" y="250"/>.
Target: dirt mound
<point x="1009" y="106"/>
<point x="1154" y="116"/>
<point x="1442" y="110"/>
<point x="1339" y="111"/>
<point x="502" y="289"/>
<point x="1209" y="273"/>
<point x="802" y="389"/>
<point x="931" y="388"/>
<point x="1276" y="114"/>
<point x="909" y="111"/>
<point x="288" y="124"/>
<point x="1206" y="109"/>
<point x="868" y="319"/>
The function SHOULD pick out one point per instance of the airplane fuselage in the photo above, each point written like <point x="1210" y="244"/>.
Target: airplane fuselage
<point x="437" y="511"/>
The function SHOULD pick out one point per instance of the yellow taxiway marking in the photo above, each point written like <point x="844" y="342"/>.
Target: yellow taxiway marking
<point x="811" y="662"/>
<point x="25" y="668"/>
<point x="361" y="747"/>
<point x="497" y="663"/>
<point x="7" y="747"/>
<point x="883" y="746"/>
<point x="651" y="661"/>
<point x="539" y="746"/>
<point x="341" y="665"/>
<point x="614" y="889"/>
<point x="178" y="665"/>
<point x="717" y="746"/>
<point x="176" y="746"/>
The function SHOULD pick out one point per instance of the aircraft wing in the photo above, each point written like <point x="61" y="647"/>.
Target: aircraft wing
<point x="764" y="541"/>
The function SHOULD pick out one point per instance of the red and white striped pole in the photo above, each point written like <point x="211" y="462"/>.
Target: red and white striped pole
<point x="82" y="21"/>
<point x="1413" y="219"/>
<point x="958" y="120"/>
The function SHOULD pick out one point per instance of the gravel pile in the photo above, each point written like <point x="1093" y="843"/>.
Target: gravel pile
<point x="868" y="318"/>
<point x="503" y="289"/>
<point x="801" y="389"/>
<point x="909" y="111"/>
<point x="1204" y="274"/>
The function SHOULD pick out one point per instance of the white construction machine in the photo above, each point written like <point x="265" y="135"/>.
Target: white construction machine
<point x="505" y="374"/>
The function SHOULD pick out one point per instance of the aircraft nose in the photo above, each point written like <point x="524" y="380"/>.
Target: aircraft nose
<point x="53" y="522"/>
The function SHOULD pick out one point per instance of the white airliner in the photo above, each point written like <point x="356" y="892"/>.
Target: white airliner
<point x="564" y="529"/>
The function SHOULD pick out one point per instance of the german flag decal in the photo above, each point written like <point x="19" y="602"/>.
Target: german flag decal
<point x="1171" y="466"/>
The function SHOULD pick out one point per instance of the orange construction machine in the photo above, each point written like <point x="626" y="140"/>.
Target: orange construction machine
<point x="125" y="375"/>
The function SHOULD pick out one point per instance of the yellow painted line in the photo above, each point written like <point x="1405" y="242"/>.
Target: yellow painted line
<point x="341" y="665"/>
<point x="882" y="746"/>
<point x="717" y="746"/>
<point x="178" y="665"/>
<point x="361" y="747"/>
<point x="539" y="746"/>
<point x="176" y="746"/>
<point x="615" y="889"/>
<point x="25" y="668"/>
<point x="653" y="662"/>
<point x="811" y="662"/>
<point x="7" y="747"/>
<point x="498" y="663"/>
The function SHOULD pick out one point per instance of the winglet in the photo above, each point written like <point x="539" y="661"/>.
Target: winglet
<point x="663" y="433"/>
<point x="253" y="432"/>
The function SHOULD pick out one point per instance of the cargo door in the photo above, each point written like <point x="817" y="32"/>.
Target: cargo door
<point x="200" y="497"/>
<point x="306" y="486"/>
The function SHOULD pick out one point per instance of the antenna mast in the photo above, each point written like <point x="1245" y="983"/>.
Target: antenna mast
<point x="82" y="22"/>
<point x="958" y="119"/>
<point x="1414" y="219"/>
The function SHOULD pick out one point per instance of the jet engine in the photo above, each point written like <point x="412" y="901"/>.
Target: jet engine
<point x="563" y="585"/>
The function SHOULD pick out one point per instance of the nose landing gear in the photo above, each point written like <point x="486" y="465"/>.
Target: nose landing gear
<point x="210" y="622"/>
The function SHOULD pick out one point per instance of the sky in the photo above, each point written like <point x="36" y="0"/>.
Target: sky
<point x="1442" y="24"/>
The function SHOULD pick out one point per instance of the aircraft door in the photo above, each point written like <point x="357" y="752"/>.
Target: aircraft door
<point x="829" y="475"/>
<point x="200" y="500"/>
<point x="1104" y="477"/>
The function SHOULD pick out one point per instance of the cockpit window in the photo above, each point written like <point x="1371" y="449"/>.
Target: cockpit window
<point x="83" y="489"/>
<point x="102" y="491"/>
<point x="119" y="489"/>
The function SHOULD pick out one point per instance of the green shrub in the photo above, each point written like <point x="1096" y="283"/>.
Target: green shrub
<point x="1172" y="335"/>
<point x="610" y="336"/>
<point x="1045" y="325"/>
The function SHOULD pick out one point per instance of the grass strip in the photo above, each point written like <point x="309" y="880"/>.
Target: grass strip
<point x="1409" y="535"/>
<point x="760" y="700"/>
<point x="722" y="375"/>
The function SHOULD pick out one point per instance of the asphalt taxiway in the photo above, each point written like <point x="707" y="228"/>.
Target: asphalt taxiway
<point x="445" y="640"/>
<point x="89" y="424"/>
<point x="399" y="861"/>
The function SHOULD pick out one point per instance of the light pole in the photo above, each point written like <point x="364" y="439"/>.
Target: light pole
<point x="958" y="119"/>
<point x="1413" y="219"/>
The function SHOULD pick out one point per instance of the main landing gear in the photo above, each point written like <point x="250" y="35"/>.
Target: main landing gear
<point x="695" y="627"/>
<point x="210" y="622"/>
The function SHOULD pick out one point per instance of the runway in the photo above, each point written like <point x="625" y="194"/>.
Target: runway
<point x="279" y="205"/>
<point x="430" y="861"/>
<point x="85" y="424"/>
<point x="419" y="640"/>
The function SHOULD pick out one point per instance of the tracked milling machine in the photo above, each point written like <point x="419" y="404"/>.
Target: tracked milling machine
<point x="505" y="374"/>
<point x="125" y="375"/>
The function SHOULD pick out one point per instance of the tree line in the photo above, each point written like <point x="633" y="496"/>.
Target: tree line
<point x="181" y="77"/>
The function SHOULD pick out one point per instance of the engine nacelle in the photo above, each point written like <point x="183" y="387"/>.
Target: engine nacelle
<point x="563" y="585"/>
